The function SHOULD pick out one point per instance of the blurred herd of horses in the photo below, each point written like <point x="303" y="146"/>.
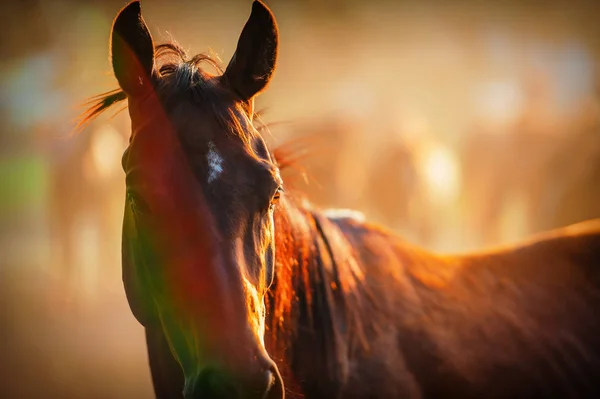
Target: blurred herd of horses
<point x="554" y="169"/>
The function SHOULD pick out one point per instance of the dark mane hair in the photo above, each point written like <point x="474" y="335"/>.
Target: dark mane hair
<point x="316" y="286"/>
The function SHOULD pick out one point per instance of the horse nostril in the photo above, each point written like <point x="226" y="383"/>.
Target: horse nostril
<point x="211" y="384"/>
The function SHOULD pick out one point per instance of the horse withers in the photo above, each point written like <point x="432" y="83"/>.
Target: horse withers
<point x="246" y="291"/>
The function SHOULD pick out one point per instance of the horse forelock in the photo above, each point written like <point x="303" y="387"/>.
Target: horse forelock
<point x="176" y="77"/>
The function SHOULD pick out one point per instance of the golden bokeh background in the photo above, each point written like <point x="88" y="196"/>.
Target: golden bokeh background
<point x="458" y="124"/>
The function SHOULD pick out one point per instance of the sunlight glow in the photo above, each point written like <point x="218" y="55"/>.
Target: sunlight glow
<point x="106" y="150"/>
<point x="442" y="175"/>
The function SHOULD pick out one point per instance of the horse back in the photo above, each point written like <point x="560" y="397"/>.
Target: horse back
<point x="522" y="321"/>
<point x="518" y="321"/>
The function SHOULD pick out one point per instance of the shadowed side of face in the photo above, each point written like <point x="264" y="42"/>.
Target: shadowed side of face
<point x="198" y="248"/>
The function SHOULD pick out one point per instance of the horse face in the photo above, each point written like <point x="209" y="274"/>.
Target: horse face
<point x="198" y="233"/>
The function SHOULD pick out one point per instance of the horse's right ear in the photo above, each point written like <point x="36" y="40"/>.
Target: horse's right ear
<point x="132" y="50"/>
<point x="255" y="57"/>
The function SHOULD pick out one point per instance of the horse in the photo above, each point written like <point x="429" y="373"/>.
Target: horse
<point x="247" y="291"/>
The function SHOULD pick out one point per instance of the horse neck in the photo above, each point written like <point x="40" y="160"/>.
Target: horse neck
<point x="312" y="298"/>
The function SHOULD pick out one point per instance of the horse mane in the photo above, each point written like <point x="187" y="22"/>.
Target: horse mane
<point x="316" y="273"/>
<point x="318" y="286"/>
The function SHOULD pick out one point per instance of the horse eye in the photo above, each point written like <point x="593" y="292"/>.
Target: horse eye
<point x="276" y="197"/>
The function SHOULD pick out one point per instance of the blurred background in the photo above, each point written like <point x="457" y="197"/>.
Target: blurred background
<point x="459" y="124"/>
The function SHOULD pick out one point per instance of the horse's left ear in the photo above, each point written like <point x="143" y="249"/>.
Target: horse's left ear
<point x="132" y="50"/>
<point x="253" y="62"/>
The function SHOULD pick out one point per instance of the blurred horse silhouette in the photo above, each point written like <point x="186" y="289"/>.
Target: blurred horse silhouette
<point x="83" y="186"/>
<point x="539" y="172"/>
<point x="571" y="183"/>
<point x="246" y="291"/>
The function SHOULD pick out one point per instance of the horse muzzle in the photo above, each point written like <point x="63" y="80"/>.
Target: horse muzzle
<point x="263" y="383"/>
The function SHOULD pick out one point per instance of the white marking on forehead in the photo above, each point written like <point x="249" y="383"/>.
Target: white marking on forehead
<point x="344" y="214"/>
<point x="215" y="162"/>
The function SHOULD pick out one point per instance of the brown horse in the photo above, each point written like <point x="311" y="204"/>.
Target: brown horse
<point x="246" y="292"/>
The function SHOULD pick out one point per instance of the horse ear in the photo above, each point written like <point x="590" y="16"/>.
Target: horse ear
<point x="132" y="50"/>
<point x="253" y="62"/>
